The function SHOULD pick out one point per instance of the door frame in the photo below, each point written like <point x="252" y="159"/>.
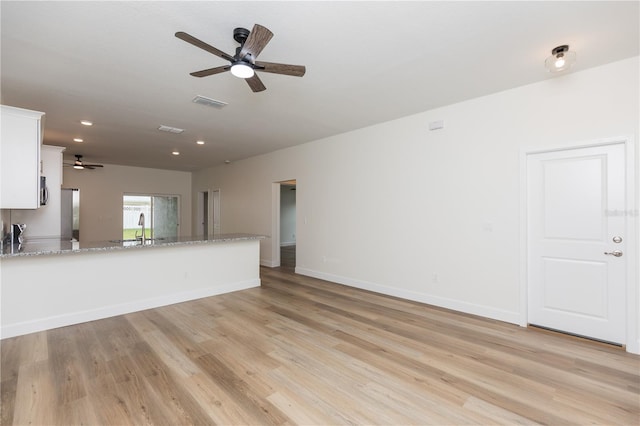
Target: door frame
<point x="200" y="219"/>
<point x="275" y="223"/>
<point x="215" y="200"/>
<point x="632" y="286"/>
<point x="213" y="211"/>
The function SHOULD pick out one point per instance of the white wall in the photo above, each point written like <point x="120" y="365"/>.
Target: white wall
<point x="428" y="215"/>
<point x="287" y="216"/>
<point x="101" y="192"/>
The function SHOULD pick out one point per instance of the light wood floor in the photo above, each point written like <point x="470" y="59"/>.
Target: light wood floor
<point x="303" y="351"/>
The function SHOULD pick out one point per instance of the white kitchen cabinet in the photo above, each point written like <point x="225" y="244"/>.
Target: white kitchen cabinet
<point x="45" y="222"/>
<point x="21" y="138"/>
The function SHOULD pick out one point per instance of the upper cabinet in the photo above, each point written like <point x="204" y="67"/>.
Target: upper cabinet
<point x="22" y="132"/>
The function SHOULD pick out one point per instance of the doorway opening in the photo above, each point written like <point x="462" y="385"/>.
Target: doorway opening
<point x="284" y="229"/>
<point x="70" y="214"/>
<point x="208" y="213"/>
<point x="203" y="213"/>
<point x="288" y="224"/>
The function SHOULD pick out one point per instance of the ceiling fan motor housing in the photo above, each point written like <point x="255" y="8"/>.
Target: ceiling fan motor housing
<point x="240" y="35"/>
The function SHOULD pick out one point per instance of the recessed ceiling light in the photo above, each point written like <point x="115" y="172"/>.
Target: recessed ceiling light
<point x="200" y="142"/>
<point x="77" y="140"/>
<point x="175" y="152"/>
<point x="86" y="123"/>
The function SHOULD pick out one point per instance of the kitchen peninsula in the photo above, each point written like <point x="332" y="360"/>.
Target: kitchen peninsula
<point x="48" y="283"/>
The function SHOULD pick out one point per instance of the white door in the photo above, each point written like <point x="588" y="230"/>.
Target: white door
<point x="576" y="221"/>
<point x="215" y="205"/>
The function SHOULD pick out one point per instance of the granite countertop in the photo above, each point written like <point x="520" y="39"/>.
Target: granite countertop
<point x="53" y="246"/>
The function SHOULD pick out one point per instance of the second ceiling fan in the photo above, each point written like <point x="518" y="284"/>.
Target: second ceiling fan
<point x="81" y="165"/>
<point x="244" y="64"/>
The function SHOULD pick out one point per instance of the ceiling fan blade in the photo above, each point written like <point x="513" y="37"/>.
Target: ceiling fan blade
<point x="211" y="71"/>
<point x="92" y="166"/>
<point x="255" y="83"/>
<point x="286" y="69"/>
<point x="257" y="40"/>
<point x="202" y="45"/>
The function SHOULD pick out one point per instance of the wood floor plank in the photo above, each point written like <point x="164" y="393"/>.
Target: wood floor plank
<point x="37" y="393"/>
<point x="259" y="408"/>
<point x="299" y="350"/>
<point x="220" y="406"/>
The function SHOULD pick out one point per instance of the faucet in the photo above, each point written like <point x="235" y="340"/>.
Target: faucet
<point x="141" y="223"/>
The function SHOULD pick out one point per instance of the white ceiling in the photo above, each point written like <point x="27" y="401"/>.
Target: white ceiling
<point x="119" y="65"/>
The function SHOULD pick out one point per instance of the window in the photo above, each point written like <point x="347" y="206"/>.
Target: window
<point x="160" y="213"/>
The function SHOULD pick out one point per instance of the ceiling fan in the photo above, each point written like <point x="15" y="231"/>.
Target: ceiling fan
<point x="244" y="64"/>
<point x="80" y="165"/>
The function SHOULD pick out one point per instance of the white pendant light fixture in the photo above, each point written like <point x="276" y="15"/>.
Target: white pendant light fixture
<point x="241" y="70"/>
<point x="561" y="59"/>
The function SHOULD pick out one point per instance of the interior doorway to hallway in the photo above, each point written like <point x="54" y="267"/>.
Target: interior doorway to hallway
<point x="284" y="224"/>
<point x="208" y="213"/>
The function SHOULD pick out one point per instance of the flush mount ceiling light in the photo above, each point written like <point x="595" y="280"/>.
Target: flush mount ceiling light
<point x="561" y="59"/>
<point x="200" y="142"/>
<point x="175" y="152"/>
<point x="241" y="69"/>
<point x="86" y="123"/>
<point x="77" y="140"/>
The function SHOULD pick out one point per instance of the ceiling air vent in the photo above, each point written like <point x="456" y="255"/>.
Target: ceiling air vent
<point x="170" y="129"/>
<point x="203" y="100"/>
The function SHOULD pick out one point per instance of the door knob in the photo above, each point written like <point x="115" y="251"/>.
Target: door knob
<point x="616" y="253"/>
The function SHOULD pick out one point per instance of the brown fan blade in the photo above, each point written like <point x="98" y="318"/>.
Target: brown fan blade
<point x="211" y="71"/>
<point x="257" y="40"/>
<point x="286" y="69"/>
<point x="202" y="45"/>
<point x="255" y="83"/>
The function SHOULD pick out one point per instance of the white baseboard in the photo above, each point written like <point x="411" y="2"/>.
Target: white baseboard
<point x="269" y="263"/>
<point x="634" y="347"/>
<point x="71" y="318"/>
<point x="456" y="305"/>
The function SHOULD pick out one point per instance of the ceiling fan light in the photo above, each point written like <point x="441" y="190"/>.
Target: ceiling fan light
<point x="78" y="166"/>
<point x="242" y="70"/>
<point x="560" y="60"/>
